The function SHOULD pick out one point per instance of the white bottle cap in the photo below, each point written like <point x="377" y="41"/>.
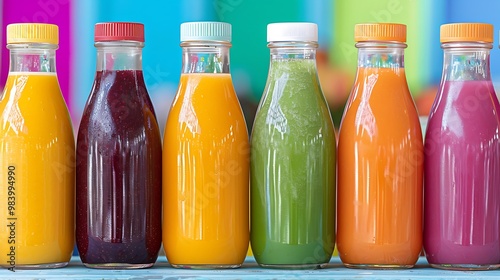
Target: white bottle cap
<point x="292" y="31"/>
<point x="205" y="31"/>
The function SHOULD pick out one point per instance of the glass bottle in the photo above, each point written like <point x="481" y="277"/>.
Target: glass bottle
<point x="462" y="156"/>
<point x="37" y="163"/>
<point x="292" y="157"/>
<point x="205" y="157"/>
<point x="380" y="162"/>
<point x="118" y="158"/>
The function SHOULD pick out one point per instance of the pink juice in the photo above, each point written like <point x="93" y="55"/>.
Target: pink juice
<point x="462" y="176"/>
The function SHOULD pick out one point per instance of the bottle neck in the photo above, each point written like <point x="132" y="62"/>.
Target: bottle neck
<point x="205" y="57"/>
<point x="292" y="51"/>
<point x="381" y="54"/>
<point x="32" y="57"/>
<point x="466" y="61"/>
<point x="119" y="55"/>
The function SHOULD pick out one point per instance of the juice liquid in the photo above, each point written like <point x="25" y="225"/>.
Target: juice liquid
<point x="119" y="173"/>
<point x="37" y="145"/>
<point x="462" y="178"/>
<point x="293" y="170"/>
<point x="380" y="173"/>
<point x="205" y="175"/>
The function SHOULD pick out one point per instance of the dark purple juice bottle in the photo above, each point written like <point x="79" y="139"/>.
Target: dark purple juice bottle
<point x="118" y="180"/>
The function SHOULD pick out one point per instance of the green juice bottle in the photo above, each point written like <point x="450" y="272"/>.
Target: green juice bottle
<point x="293" y="157"/>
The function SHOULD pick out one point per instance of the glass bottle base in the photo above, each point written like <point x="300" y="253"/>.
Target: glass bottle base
<point x="118" y="265"/>
<point x="206" y="266"/>
<point x="40" y="266"/>
<point x="465" y="266"/>
<point x="379" y="266"/>
<point x="294" y="266"/>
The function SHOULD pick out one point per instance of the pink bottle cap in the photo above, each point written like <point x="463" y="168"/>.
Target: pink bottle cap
<point x="119" y="31"/>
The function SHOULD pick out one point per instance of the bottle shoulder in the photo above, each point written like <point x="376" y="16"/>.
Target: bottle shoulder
<point x="380" y="108"/>
<point x="206" y="107"/>
<point x="33" y="96"/>
<point x="465" y="111"/>
<point x="465" y="99"/>
<point x="22" y="82"/>
<point x="205" y="94"/>
<point x="33" y="111"/>
<point x="118" y="112"/>
<point x="293" y="102"/>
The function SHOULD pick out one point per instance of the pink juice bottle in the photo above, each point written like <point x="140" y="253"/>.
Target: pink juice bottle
<point x="462" y="156"/>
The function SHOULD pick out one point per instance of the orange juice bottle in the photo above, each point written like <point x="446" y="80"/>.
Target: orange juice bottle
<point x="37" y="163"/>
<point x="380" y="158"/>
<point x="206" y="157"/>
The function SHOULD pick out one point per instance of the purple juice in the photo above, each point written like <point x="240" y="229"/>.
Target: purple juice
<point x="462" y="177"/>
<point x="118" y="194"/>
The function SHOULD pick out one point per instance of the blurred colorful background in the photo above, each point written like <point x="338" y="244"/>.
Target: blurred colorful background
<point x="249" y="54"/>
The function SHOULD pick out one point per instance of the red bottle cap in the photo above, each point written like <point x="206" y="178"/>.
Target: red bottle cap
<point x="119" y="31"/>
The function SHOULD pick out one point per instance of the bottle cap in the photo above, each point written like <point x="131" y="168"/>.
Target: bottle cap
<point x="205" y="31"/>
<point x="466" y="32"/>
<point x="292" y="31"/>
<point x="393" y="32"/>
<point x="118" y="31"/>
<point x="32" y="33"/>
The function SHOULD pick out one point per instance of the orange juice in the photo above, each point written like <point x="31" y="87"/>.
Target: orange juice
<point x="380" y="173"/>
<point x="36" y="172"/>
<point x="205" y="175"/>
<point x="380" y="158"/>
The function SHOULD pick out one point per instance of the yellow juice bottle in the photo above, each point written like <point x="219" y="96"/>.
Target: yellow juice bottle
<point x="206" y="158"/>
<point x="37" y="154"/>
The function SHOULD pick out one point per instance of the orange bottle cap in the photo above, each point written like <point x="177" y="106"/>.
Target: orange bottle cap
<point x="466" y="32"/>
<point x="394" y="32"/>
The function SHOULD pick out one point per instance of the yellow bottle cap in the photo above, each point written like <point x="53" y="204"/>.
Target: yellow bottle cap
<point x="19" y="33"/>
<point x="394" y="32"/>
<point x="466" y="32"/>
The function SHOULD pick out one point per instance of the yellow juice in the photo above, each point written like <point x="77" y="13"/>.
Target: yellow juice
<point x="37" y="154"/>
<point x="205" y="175"/>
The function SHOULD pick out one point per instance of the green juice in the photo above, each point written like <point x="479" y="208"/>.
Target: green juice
<point x="293" y="170"/>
